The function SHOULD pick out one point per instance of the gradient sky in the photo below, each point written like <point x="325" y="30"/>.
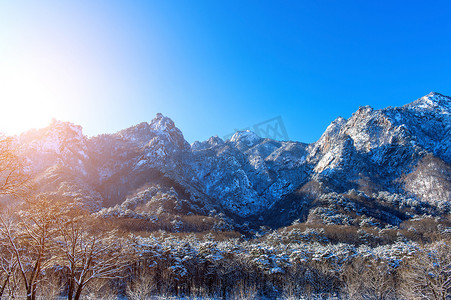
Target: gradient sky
<point x="216" y="66"/>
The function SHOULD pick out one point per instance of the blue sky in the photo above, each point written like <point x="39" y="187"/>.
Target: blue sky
<point x="216" y="66"/>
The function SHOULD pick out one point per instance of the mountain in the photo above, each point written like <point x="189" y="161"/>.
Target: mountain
<point x="382" y="166"/>
<point x="389" y="164"/>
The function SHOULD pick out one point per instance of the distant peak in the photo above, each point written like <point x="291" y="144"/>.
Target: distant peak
<point x="58" y="135"/>
<point x="215" y="140"/>
<point x="432" y="101"/>
<point x="63" y="126"/>
<point x="248" y="137"/>
<point x="437" y="97"/>
<point x="211" y="142"/>
<point x="435" y="94"/>
<point x="365" y="109"/>
<point x="161" y="122"/>
<point x="339" y="121"/>
<point x="57" y="122"/>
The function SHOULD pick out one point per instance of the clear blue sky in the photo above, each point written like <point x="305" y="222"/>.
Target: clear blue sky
<point x="213" y="66"/>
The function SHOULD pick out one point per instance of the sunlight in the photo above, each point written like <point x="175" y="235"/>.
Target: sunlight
<point x="31" y="93"/>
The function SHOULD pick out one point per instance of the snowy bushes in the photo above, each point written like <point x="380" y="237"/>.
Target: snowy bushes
<point x="61" y="251"/>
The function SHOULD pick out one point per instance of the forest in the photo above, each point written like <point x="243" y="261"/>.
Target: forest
<point x="50" y="249"/>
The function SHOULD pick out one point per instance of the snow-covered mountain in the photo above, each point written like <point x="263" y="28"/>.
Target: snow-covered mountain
<point x="387" y="164"/>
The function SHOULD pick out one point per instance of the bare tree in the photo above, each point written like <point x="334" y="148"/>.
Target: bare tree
<point x="13" y="182"/>
<point x="13" y="177"/>
<point x="142" y="285"/>
<point x="28" y="235"/>
<point x="365" y="278"/>
<point x="8" y="264"/>
<point x="428" y="275"/>
<point x="89" y="254"/>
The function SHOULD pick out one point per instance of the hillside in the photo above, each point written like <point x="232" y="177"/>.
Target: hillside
<point x="389" y="165"/>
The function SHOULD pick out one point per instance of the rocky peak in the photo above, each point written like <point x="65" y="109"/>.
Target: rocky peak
<point x="215" y="140"/>
<point x="327" y="139"/>
<point x="162" y="123"/>
<point x="55" y="136"/>
<point x="57" y="125"/>
<point x="210" y="143"/>
<point x="335" y="127"/>
<point x="364" y="110"/>
<point x="60" y="143"/>
<point x="432" y="102"/>
<point x="245" y="139"/>
<point x="161" y="127"/>
<point x="139" y="134"/>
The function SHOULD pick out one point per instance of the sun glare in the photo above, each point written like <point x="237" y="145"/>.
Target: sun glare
<point x="31" y="95"/>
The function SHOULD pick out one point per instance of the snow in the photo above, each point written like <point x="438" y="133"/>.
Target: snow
<point x="248" y="137"/>
<point x="248" y="175"/>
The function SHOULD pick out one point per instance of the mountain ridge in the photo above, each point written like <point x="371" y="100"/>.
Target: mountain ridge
<point x="400" y="152"/>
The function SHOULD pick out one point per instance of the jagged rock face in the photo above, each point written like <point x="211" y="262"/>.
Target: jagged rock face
<point x="160" y="130"/>
<point x="57" y="157"/>
<point x="136" y="156"/>
<point x="392" y="151"/>
<point x="247" y="174"/>
<point x="384" y="144"/>
<point x="60" y="143"/>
